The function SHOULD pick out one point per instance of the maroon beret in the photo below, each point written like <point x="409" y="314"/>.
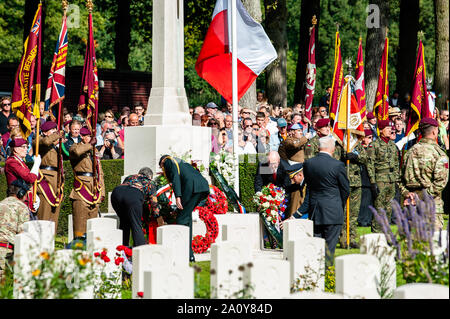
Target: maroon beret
<point x="85" y="131"/>
<point x="67" y="122"/>
<point x="47" y="126"/>
<point x="17" y="142"/>
<point x="322" y="123"/>
<point x="383" y="123"/>
<point x="428" y="121"/>
<point x="368" y="132"/>
<point x="370" y="116"/>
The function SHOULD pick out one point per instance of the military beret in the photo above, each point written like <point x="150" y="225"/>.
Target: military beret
<point x="85" y="131"/>
<point x="383" y="123"/>
<point x="322" y="123"/>
<point x="370" y="116"/>
<point x="67" y="122"/>
<point x="17" y="142"/>
<point x="368" y="132"/>
<point x="294" y="169"/>
<point x="48" y="125"/>
<point x="428" y="121"/>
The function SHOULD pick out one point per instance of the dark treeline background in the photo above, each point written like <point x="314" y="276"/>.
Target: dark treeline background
<point x="123" y="31"/>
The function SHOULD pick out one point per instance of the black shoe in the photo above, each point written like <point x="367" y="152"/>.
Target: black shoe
<point x="192" y="259"/>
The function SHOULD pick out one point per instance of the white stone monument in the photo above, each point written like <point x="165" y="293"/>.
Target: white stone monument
<point x="175" y="239"/>
<point x="421" y="291"/>
<point x="169" y="283"/>
<point x="167" y="123"/>
<point x="358" y="276"/>
<point x="294" y="229"/>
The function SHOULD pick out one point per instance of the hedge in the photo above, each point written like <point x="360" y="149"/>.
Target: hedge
<point x="113" y="171"/>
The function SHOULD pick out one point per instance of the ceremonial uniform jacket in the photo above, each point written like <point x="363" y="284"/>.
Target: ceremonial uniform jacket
<point x="293" y="149"/>
<point x="426" y="167"/>
<point x="312" y="148"/>
<point x="16" y="168"/>
<point x="82" y="162"/>
<point x="383" y="161"/>
<point x="13" y="213"/>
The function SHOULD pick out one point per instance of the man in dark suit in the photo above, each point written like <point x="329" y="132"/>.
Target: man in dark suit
<point x="190" y="188"/>
<point x="328" y="189"/>
<point x="271" y="172"/>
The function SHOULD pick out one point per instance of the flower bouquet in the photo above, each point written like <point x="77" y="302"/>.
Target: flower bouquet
<point x="271" y="204"/>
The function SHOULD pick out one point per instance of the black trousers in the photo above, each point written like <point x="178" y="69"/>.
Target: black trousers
<point x="331" y="235"/>
<point x="128" y="203"/>
<point x="184" y="217"/>
<point x="365" y="214"/>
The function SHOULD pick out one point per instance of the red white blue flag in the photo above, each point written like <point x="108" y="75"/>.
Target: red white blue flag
<point x="56" y="84"/>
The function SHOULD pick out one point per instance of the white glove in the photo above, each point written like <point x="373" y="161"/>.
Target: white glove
<point x="36" y="203"/>
<point x="37" y="163"/>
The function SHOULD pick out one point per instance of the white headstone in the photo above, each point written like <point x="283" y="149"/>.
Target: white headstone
<point x="175" y="238"/>
<point x="251" y="220"/>
<point x="235" y="232"/>
<point x="147" y="257"/>
<point x="100" y="223"/>
<point x="44" y="231"/>
<point x="267" y="279"/>
<point x="294" y="229"/>
<point x="317" y="294"/>
<point x="226" y="257"/>
<point x="358" y="276"/>
<point x="421" y="291"/>
<point x="307" y="259"/>
<point x="169" y="283"/>
<point x="69" y="228"/>
<point x="376" y="245"/>
<point x="439" y="244"/>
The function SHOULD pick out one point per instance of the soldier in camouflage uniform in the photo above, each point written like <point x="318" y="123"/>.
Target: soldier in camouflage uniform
<point x="13" y="213"/>
<point x="357" y="158"/>
<point x="384" y="165"/>
<point x="426" y="168"/>
<point x="312" y="147"/>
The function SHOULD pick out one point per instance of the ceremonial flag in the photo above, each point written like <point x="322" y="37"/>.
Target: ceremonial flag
<point x="360" y="90"/>
<point x="338" y="78"/>
<point x="381" y="106"/>
<point x="254" y="51"/>
<point x="56" y="84"/>
<point x="23" y="84"/>
<point x="419" y="97"/>
<point x="310" y="72"/>
<point x="348" y="117"/>
<point x="89" y="85"/>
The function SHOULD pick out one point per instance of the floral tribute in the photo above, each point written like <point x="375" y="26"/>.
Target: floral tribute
<point x="224" y="163"/>
<point x="271" y="203"/>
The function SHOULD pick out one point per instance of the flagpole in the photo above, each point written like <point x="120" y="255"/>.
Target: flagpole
<point x="349" y="95"/>
<point x="234" y="93"/>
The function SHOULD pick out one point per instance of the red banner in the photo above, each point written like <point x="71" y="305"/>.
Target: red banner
<point x="310" y="73"/>
<point x="381" y="106"/>
<point x="89" y="85"/>
<point x="419" y="97"/>
<point x="360" y="89"/>
<point x="23" y="85"/>
<point x="338" y="78"/>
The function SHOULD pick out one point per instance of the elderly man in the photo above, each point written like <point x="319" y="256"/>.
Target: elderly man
<point x="88" y="186"/>
<point x="13" y="214"/>
<point x="211" y="109"/>
<point x="271" y="172"/>
<point x="49" y="194"/>
<point x="328" y="189"/>
<point x="190" y="188"/>
<point x="293" y="147"/>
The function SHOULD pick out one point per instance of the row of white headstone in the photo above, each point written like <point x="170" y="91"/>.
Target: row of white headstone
<point x="163" y="271"/>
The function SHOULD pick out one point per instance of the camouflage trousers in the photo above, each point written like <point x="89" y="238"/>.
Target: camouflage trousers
<point x="383" y="201"/>
<point x="355" y="203"/>
<point x="4" y="254"/>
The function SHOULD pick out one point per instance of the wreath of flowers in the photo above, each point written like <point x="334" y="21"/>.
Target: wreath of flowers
<point x="216" y="203"/>
<point x="271" y="203"/>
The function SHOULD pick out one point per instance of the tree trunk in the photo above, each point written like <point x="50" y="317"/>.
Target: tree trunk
<point x="374" y="50"/>
<point x="253" y="7"/>
<point x="441" y="76"/>
<point x="123" y="37"/>
<point x="407" y="49"/>
<point x="276" y="78"/>
<point x="308" y="9"/>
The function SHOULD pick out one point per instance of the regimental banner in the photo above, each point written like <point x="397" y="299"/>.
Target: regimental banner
<point x="310" y="73"/>
<point x="419" y="97"/>
<point x="381" y="106"/>
<point x="360" y="89"/>
<point x="21" y="98"/>
<point x="338" y="78"/>
<point x="56" y="84"/>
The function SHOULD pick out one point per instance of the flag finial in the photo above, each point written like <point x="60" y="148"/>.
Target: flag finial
<point x="387" y="31"/>
<point x="337" y="26"/>
<point x="90" y="5"/>
<point x="314" y="20"/>
<point x="420" y="35"/>
<point x="65" y="4"/>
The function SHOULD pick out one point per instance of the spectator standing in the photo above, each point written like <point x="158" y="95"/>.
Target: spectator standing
<point x="323" y="112"/>
<point x="327" y="192"/>
<point x="199" y="110"/>
<point x="139" y="110"/>
<point x="5" y="114"/>
<point x="325" y="100"/>
<point x="399" y="129"/>
<point x="211" y="109"/>
<point x="281" y="135"/>
<point x="229" y="126"/>
<point x="373" y="124"/>
<point x="73" y="138"/>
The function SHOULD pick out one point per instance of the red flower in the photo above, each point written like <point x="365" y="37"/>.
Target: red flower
<point x="118" y="260"/>
<point x="140" y="294"/>
<point x="106" y="259"/>
<point x="120" y="247"/>
<point x="96" y="254"/>
<point x="103" y="253"/>
<point x="282" y="209"/>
